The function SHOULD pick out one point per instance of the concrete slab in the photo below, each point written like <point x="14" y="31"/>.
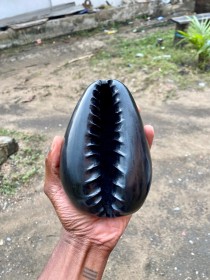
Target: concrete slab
<point x="69" y="24"/>
<point x="46" y="12"/>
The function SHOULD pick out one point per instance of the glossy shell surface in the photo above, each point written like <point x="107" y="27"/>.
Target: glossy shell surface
<point x="105" y="163"/>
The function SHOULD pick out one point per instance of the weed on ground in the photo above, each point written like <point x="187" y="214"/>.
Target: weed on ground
<point x="154" y="54"/>
<point x="23" y="166"/>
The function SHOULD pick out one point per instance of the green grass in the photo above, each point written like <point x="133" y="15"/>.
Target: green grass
<point x="22" y="167"/>
<point x="142" y="53"/>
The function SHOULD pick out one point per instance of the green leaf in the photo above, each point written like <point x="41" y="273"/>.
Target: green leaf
<point x="198" y="35"/>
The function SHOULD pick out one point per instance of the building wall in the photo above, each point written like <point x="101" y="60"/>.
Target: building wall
<point x="17" y="7"/>
<point x="11" y="8"/>
<point x="97" y="3"/>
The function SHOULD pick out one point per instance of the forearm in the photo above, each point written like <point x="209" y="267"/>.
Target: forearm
<point x="73" y="260"/>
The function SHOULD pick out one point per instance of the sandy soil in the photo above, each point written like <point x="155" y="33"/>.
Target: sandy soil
<point x="169" y="238"/>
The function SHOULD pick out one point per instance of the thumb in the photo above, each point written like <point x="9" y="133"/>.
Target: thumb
<point x="52" y="166"/>
<point x="149" y="132"/>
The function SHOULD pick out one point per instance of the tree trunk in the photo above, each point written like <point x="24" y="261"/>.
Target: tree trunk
<point x="201" y="6"/>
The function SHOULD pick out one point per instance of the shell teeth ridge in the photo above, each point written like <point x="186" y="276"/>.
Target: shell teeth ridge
<point x="94" y="115"/>
<point x="92" y="166"/>
<point x="93" y="145"/>
<point x="118" y="111"/>
<point x="95" y="99"/>
<point x="118" y="129"/>
<point x="116" y="103"/>
<point x="93" y="134"/>
<point x="100" y="212"/>
<point x="95" y="176"/>
<point x="93" y="105"/>
<point x="90" y="154"/>
<point x="92" y="123"/>
<point x="118" y="197"/>
<point x="94" y="193"/>
<point x="120" y="153"/>
<point x="95" y="200"/>
<point x="116" y="208"/>
<point x="110" y="83"/>
<point x="120" y="121"/>
<point x="119" y="185"/>
<point x="119" y="168"/>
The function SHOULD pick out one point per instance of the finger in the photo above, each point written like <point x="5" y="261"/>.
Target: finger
<point x="52" y="163"/>
<point x="149" y="132"/>
<point x="53" y="157"/>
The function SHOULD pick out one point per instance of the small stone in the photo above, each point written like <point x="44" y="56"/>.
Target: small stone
<point x="191" y="242"/>
<point x="201" y="84"/>
<point x="139" y="55"/>
<point x="39" y="41"/>
<point x="5" y="205"/>
<point x="1" y="242"/>
<point x="9" y="239"/>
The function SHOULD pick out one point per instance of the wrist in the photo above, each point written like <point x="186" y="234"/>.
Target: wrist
<point x="76" y="258"/>
<point x="89" y="258"/>
<point x="80" y="242"/>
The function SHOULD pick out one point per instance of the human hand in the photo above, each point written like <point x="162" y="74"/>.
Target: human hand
<point x="80" y="227"/>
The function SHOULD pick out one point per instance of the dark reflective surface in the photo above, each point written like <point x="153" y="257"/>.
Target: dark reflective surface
<point x="106" y="168"/>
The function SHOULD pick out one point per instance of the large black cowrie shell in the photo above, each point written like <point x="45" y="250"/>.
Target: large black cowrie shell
<point x="105" y="163"/>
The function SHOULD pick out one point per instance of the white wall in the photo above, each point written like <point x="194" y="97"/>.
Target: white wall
<point x="10" y="8"/>
<point x="97" y="3"/>
<point x="59" y="2"/>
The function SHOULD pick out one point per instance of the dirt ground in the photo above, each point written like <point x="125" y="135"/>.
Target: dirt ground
<point x="169" y="238"/>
